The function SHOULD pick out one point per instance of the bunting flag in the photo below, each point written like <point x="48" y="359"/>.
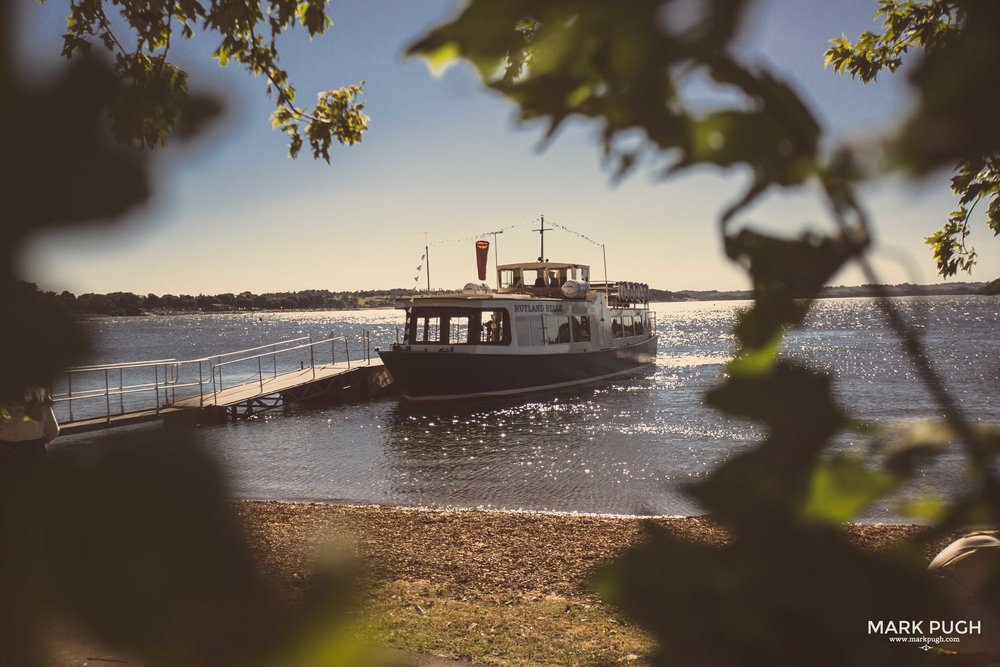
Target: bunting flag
<point x="481" y="235"/>
<point x="576" y="233"/>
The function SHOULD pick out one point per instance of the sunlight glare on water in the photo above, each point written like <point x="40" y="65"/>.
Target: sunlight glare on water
<point x="629" y="446"/>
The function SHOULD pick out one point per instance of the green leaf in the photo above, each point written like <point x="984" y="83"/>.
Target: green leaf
<point x="842" y="487"/>
<point x="753" y="361"/>
<point x="929" y="507"/>
<point x="440" y="59"/>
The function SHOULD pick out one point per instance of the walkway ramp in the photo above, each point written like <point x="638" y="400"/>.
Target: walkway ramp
<point x="234" y="384"/>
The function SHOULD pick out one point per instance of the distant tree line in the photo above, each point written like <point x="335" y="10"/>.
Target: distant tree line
<point x="127" y="303"/>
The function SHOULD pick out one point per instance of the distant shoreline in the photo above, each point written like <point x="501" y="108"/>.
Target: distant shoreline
<point x="127" y="304"/>
<point x="843" y="292"/>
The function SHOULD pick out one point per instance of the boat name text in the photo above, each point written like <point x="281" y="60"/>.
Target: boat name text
<point x="540" y="308"/>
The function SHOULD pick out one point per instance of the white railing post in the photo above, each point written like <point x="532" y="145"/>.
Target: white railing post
<point x="107" y="395"/>
<point x="347" y="352"/>
<point x="260" y="374"/>
<point x="69" y="383"/>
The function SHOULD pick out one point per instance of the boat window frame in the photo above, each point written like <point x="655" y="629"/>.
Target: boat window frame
<point x="505" y="335"/>
<point x="510" y="278"/>
<point x="628" y="326"/>
<point x="444" y="314"/>
<point x="467" y="325"/>
<point x="559" y="321"/>
<point x="413" y="318"/>
<point x="576" y="325"/>
<point x="616" y="327"/>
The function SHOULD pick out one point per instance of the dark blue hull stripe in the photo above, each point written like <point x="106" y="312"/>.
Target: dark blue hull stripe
<point x="443" y="376"/>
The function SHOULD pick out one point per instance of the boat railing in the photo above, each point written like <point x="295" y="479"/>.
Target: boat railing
<point x="623" y="294"/>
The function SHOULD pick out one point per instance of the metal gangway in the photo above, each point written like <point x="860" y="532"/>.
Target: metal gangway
<point x="100" y="396"/>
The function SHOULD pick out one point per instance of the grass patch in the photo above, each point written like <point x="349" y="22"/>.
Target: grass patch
<point x="499" y="629"/>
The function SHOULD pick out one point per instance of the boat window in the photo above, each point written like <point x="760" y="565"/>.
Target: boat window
<point x="494" y="329"/>
<point x="556" y="329"/>
<point x="511" y="278"/>
<point x="459" y="326"/>
<point x="638" y="325"/>
<point x="629" y="326"/>
<point x="531" y="330"/>
<point x="458" y="329"/>
<point x="616" y="327"/>
<point x="427" y="328"/>
<point x="522" y="327"/>
<point x="581" y="328"/>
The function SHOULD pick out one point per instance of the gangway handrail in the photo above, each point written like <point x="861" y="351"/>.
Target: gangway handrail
<point x="276" y="352"/>
<point x="116" y="366"/>
<point x="249" y="349"/>
<point x="167" y="374"/>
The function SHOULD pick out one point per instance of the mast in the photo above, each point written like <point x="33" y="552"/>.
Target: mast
<point x="541" y="234"/>
<point x="496" y="256"/>
<point x="427" y="256"/>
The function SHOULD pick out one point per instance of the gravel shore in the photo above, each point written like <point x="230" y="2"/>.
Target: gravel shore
<point x="515" y="552"/>
<point x="504" y="588"/>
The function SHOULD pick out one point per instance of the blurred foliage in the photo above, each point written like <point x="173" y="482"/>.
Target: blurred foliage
<point x="151" y="98"/>
<point x="789" y="589"/>
<point x="132" y="538"/>
<point x="955" y="80"/>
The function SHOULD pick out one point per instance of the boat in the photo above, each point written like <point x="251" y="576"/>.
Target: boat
<point x="545" y="327"/>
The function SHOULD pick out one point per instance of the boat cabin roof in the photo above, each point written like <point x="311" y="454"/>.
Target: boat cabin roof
<point x="542" y="265"/>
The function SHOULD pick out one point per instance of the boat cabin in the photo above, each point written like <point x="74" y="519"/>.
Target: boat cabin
<point x="543" y="275"/>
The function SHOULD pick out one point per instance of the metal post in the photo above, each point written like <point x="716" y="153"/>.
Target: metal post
<point x="121" y="390"/>
<point x="260" y="374"/>
<point x="496" y="255"/>
<point x="347" y="352"/>
<point x="215" y="391"/>
<point x="312" y="358"/>
<point x="69" y="382"/>
<point x="604" y="254"/>
<point x="274" y="359"/>
<point x="107" y="394"/>
<point x="541" y="233"/>
<point x="201" y="386"/>
<point x="156" y="385"/>
<point x="427" y="261"/>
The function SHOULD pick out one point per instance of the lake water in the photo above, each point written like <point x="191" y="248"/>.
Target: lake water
<point x="625" y="447"/>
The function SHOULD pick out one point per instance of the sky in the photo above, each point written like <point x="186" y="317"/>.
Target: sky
<point x="443" y="157"/>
